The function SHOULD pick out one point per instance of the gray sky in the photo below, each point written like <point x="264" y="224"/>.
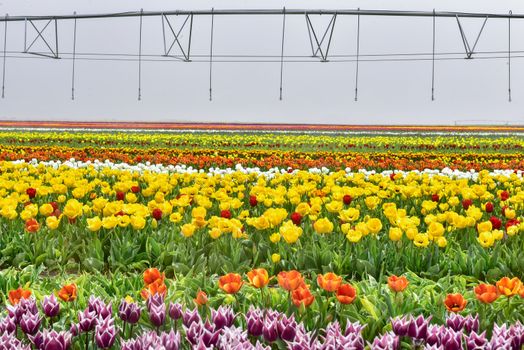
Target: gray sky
<point x="389" y="93"/>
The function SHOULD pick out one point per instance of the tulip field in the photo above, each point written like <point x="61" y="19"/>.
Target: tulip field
<point x="240" y="239"/>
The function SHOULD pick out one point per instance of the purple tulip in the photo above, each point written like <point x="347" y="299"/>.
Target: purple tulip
<point x="451" y="340"/>
<point x="157" y="314"/>
<point x="355" y="327"/>
<point x="500" y="343"/>
<point x="175" y="311"/>
<point x="75" y="329"/>
<point x="476" y="341"/>
<point x="209" y="336"/>
<point x="9" y="341"/>
<point x="223" y="317"/>
<point x="418" y="327"/>
<point x="400" y="326"/>
<point x="287" y="328"/>
<point x="517" y="332"/>
<point x="202" y="346"/>
<point x="193" y="332"/>
<point x="171" y="340"/>
<point x="388" y="341"/>
<point x="130" y="345"/>
<point x="7" y="325"/>
<point x="233" y="338"/>
<point x="105" y="333"/>
<point x="30" y="323"/>
<point x="156" y="300"/>
<point x="255" y="322"/>
<point x="129" y="312"/>
<point x="191" y="316"/>
<point x="51" y="306"/>
<point x="471" y="324"/>
<point x="99" y="307"/>
<point x="53" y="340"/>
<point x="433" y="347"/>
<point x="23" y="307"/>
<point x="87" y="320"/>
<point x="270" y="331"/>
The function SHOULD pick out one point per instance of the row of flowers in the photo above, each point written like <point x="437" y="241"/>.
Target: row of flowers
<point x="396" y="210"/>
<point x="301" y="293"/>
<point x="170" y="326"/>
<point x="285" y="141"/>
<point x="268" y="158"/>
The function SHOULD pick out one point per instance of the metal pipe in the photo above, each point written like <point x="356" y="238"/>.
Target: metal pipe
<point x="354" y="12"/>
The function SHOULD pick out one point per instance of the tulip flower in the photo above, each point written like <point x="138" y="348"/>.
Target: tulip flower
<point x="486" y="293"/>
<point x="87" y="320"/>
<point x="16" y="295"/>
<point x="32" y="226"/>
<point x="129" y="312"/>
<point x="329" y="281"/>
<point x="68" y="292"/>
<point x="30" y="323"/>
<point x="302" y="296"/>
<point x="105" y="333"/>
<point x="509" y="287"/>
<point x="175" y="311"/>
<point x="455" y="302"/>
<point x="258" y="278"/>
<point x="157" y="314"/>
<point x="201" y="298"/>
<point x="290" y="280"/>
<point x="151" y="275"/>
<point x="52" y="340"/>
<point x="398" y="284"/>
<point x="222" y="317"/>
<point x="50" y="306"/>
<point x="230" y="283"/>
<point x="346" y="293"/>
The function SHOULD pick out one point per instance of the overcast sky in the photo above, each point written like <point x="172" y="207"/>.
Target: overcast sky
<point x="389" y="93"/>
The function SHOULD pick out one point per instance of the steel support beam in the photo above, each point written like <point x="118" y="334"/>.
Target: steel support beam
<point x="53" y="53"/>
<point x="470" y="50"/>
<point x="186" y="52"/>
<point x="289" y="12"/>
<point x="318" y="44"/>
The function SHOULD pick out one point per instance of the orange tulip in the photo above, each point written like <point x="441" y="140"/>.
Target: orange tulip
<point x="346" y="293"/>
<point x="486" y="293"/>
<point x="290" y="280"/>
<point x="455" y="302"/>
<point x="32" y="226"/>
<point x="509" y="287"/>
<point x="230" y="283"/>
<point x="329" y="281"/>
<point x="302" y="295"/>
<point x="151" y="275"/>
<point x="201" y="298"/>
<point x="16" y="295"/>
<point x="521" y="292"/>
<point x="157" y="287"/>
<point x="68" y="292"/>
<point x="258" y="277"/>
<point x="397" y="284"/>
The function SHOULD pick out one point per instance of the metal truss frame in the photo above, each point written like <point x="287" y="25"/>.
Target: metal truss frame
<point x="320" y="39"/>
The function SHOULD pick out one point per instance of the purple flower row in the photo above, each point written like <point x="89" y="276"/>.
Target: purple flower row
<point x="257" y="329"/>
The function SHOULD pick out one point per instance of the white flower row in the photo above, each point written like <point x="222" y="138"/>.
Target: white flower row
<point x="270" y="173"/>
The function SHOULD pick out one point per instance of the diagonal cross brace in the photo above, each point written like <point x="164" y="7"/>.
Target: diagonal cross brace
<point x="470" y="50"/>
<point x="40" y="35"/>
<point x="311" y="30"/>
<point x="177" y="36"/>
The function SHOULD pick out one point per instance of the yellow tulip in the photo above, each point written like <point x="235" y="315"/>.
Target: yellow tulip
<point x="323" y="226"/>
<point x="93" y="224"/>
